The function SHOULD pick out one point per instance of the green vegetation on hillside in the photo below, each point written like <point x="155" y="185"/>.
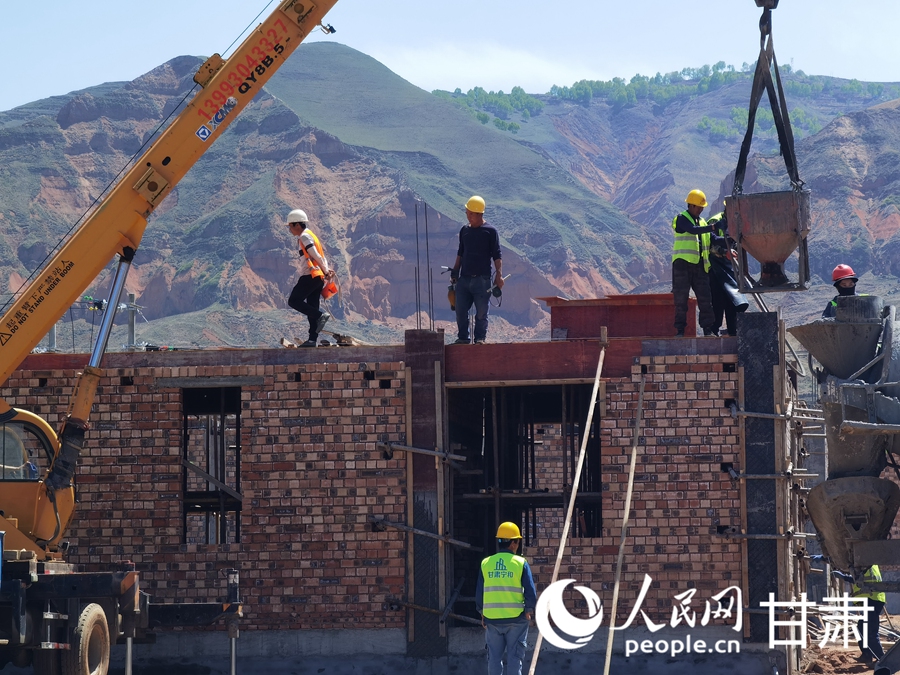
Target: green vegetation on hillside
<point x="811" y="86"/>
<point x="802" y="124"/>
<point x="501" y="105"/>
<point x="498" y="107"/>
<point x="661" y="89"/>
<point x="689" y="82"/>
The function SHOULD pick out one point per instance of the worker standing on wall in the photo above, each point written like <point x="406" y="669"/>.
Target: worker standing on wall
<point x="845" y="282"/>
<point x="479" y="243"/>
<point x="690" y="264"/>
<point x="308" y="291"/>
<point x="727" y="300"/>
<point x="506" y="598"/>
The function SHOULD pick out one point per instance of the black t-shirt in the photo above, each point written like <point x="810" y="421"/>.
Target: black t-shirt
<point x="478" y="246"/>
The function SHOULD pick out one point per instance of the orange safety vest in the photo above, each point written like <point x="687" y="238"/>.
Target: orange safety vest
<point x="315" y="270"/>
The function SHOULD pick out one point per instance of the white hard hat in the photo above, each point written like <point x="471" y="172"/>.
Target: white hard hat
<point x="297" y="216"/>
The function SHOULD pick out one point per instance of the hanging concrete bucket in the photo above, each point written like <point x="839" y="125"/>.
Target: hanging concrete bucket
<point x="852" y="509"/>
<point x="853" y="454"/>
<point x="847" y="342"/>
<point x="770" y="226"/>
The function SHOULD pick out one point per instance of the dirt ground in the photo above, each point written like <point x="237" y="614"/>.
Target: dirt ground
<point x="835" y="660"/>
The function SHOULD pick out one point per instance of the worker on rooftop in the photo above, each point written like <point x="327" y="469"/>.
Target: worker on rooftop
<point x="506" y="598"/>
<point x="307" y="292"/>
<point x="845" y="282"/>
<point x="727" y="300"/>
<point x="690" y="264"/>
<point x="479" y="243"/>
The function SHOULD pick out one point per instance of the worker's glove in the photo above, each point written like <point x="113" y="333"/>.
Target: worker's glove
<point x="454" y="275"/>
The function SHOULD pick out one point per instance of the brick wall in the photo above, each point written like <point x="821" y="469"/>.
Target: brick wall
<point x="311" y="480"/>
<point x="680" y="494"/>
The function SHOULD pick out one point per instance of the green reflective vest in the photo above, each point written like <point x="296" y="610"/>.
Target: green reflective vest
<point x="716" y="219"/>
<point x="691" y="247"/>
<point x="504" y="597"/>
<point x="872" y="575"/>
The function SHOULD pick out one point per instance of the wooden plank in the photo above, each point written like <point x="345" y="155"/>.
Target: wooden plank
<point x="742" y="458"/>
<point x="410" y="558"/>
<point x="441" y="470"/>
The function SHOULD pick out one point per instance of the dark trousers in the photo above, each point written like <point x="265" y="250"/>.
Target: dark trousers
<point x="722" y="306"/>
<point x="687" y="276"/>
<point x="469" y="291"/>
<point x="305" y="299"/>
<point x="870" y="626"/>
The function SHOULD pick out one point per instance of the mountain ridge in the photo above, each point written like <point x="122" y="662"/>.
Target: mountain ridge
<point x="583" y="195"/>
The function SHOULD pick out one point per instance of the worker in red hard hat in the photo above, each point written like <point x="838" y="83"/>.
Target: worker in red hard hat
<point x="844" y="280"/>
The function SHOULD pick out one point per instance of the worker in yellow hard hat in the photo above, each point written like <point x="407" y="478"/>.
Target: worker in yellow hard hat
<point x="690" y="264"/>
<point x="479" y="243"/>
<point x="506" y="598"/>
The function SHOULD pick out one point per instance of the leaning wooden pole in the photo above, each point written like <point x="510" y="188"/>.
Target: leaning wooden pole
<point x="625" y="516"/>
<point x="585" y="436"/>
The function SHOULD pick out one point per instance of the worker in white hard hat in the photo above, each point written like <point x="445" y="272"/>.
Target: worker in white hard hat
<point x="506" y="598"/>
<point x="308" y="291"/>
<point x="479" y="243"/>
<point x="690" y="264"/>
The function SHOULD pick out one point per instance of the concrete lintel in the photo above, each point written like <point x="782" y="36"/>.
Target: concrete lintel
<point x="209" y="382"/>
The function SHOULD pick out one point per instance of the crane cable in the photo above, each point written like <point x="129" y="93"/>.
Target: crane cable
<point x="762" y="80"/>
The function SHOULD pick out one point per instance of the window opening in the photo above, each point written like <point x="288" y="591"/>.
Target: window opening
<point x="211" y="455"/>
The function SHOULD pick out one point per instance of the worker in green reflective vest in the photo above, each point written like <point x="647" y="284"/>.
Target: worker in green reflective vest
<point x="869" y="641"/>
<point x="506" y="598"/>
<point x="690" y="264"/>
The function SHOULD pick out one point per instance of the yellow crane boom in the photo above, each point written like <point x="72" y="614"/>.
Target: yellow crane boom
<point x="42" y="509"/>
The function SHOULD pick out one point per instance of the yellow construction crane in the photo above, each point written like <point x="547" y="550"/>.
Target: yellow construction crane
<point x="35" y="509"/>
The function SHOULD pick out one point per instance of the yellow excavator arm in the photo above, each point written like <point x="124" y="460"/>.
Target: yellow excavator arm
<point x="41" y="507"/>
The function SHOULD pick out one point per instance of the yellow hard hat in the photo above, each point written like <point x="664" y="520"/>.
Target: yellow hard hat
<point x="508" y="531"/>
<point x="697" y="198"/>
<point x="475" y="204"/>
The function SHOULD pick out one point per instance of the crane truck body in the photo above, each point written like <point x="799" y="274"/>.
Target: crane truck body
<point x="51" y="616"/>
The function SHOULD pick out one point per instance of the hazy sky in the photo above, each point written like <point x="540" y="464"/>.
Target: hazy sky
<point x="54" y="48"/>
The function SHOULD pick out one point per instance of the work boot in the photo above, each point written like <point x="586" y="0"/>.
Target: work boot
<point x="679" y="333"/>
<point x="710" y="332"/>
<point x="479" y="341"/>
<point x="320" y="324"/>
<point x="460" y="341"/>
<point x="308" y="343"/>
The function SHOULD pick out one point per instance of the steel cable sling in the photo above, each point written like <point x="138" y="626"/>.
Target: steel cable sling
<point x="762" y="80"/>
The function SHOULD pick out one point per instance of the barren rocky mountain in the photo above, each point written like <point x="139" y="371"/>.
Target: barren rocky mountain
<point x="583" y="194"/>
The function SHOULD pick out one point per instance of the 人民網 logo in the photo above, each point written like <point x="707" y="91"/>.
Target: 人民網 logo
<point x="551" y="606"/>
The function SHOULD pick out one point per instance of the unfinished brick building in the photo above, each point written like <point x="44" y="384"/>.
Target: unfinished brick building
<point x="357" y="488"/>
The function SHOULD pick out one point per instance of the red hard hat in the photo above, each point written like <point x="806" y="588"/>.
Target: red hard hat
<point x="842" y="272"/>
